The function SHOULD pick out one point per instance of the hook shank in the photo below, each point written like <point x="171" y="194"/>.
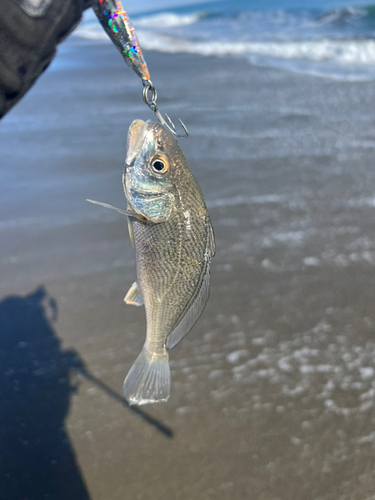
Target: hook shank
<point x="149" y="97"/>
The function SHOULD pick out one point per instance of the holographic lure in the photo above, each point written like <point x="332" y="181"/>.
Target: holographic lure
<point x="118" y="27"/>
<point x="116" y="23"/>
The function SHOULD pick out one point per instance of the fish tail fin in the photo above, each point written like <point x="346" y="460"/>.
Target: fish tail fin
<point x="149" y="379"/>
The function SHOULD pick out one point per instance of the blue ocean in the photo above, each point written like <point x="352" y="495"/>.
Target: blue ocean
<point x="330" y="39"/>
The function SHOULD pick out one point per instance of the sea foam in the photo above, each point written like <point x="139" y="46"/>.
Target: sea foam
<point x="307" y="45"/>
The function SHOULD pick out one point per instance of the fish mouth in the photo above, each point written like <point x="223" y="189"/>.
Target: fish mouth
<point x="136" y="135"/>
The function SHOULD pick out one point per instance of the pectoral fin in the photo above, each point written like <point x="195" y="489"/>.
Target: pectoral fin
<point x="131" y="234"/>
<point x="128" y="213"/>
<point x="134" y="297"/>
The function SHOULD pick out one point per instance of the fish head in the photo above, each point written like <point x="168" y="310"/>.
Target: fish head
<point x="150" y="170"/>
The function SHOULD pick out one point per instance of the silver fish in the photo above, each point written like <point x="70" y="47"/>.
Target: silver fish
<point x="174" y="243"/>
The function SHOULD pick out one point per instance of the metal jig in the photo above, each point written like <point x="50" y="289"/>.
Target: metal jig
<point x="151" y="103"/>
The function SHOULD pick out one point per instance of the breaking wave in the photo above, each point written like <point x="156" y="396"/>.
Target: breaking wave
<point x="339" y="43"/>
<point x="92" y="30"/>
<point x="360" y="52"/>
<point x="169" y="20"/>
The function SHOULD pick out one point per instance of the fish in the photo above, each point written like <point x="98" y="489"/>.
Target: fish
<point x="174" y="243"/>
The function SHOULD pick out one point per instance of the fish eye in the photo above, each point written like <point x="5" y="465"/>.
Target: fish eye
<point x="160" y="164"/>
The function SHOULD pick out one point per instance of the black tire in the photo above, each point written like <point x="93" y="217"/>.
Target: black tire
<point x="28" y="39"/>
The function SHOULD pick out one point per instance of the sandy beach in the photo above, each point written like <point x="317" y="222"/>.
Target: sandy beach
<point x="273" y="390"/>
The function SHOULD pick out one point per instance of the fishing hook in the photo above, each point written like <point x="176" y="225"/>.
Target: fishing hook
<point x="151" y="103"/>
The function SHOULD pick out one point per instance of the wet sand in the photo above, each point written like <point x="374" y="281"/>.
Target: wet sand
<point x="273" y="390"/>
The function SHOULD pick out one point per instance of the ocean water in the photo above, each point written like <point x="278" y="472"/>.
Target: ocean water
<point x="329" y="39"/>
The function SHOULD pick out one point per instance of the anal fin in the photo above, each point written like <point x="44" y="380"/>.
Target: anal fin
<point x="199" y="299"/>
<point x="134" y="297"/>
<point x="192" y="312"/>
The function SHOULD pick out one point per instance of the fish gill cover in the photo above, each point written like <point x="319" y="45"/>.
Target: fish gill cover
<point x="322" y="39"/>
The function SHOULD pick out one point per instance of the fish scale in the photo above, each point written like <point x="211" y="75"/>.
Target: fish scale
<point x="169" y="269"/>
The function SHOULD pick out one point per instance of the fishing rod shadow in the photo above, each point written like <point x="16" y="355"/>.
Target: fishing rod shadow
<point x="167" y="431"/>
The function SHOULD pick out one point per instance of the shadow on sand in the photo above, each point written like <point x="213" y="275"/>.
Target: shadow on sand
<point x="37" y="461"/>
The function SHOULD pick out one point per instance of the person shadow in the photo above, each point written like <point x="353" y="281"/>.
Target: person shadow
<point x="37" y="460"/>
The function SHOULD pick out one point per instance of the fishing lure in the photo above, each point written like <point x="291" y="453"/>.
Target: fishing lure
<point x="117" y="25"/>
